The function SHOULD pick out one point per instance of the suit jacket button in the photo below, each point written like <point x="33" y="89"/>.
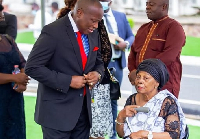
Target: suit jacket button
<point x="81" y="95"/>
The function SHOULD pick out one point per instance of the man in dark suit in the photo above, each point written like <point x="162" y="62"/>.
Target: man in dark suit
<point x="10" y="23"/>
<point x="66" y="66"/>
<point x="117" y="24"/>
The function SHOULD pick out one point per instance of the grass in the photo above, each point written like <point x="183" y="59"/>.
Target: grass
<point x="191" y="48"/>
<point x="25" y="37"/>
<point x="33" y="131"/>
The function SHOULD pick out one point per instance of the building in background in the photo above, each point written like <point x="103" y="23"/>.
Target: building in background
<point x="177" y="7"/>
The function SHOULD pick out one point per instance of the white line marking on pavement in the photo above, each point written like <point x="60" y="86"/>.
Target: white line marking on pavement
<point x="31" y="94"/>
<point x="189" y="101"/>
<point x="33" y="85"/>
<point x="191" y="76"/>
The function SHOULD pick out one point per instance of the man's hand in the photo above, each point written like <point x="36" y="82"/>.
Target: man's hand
<point x="78" y="82"/>
<point x="132" y="76"/>
<point x="120" y="46"/>
<point x="92" y="78"/>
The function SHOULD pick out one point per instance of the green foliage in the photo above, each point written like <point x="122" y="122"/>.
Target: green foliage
<point x="192" y="46"/>
<point x="25" y="37"/>
<point x="194" y="132"/>
<point x="131" y="22"/>
<point x="33" y="130"/>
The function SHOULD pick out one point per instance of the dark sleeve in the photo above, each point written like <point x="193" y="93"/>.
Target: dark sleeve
<point x="41" y="54"/>
<point x="169" y="112"/>
<point x="106" y="50"/>
<point x="11" y="21"/>
<point x="99" y="65"/>
<point x="130" y="100"/>
<point x="132" y="59"/>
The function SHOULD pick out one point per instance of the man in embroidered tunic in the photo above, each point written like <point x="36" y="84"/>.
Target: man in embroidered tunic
<point x="162" y="38"/>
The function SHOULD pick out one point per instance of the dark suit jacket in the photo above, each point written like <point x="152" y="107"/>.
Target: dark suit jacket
<point x="124" y="32"/>
<point x="54" y="59"/>
<point x="11" y="21"/>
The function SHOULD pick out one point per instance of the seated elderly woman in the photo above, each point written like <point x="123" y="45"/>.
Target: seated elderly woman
<point x="165" y="118"/>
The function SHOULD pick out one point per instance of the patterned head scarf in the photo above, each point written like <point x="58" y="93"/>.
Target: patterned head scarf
<point x="157" y="69"/>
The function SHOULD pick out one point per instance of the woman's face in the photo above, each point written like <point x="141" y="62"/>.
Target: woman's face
<point x="145" y="83"/>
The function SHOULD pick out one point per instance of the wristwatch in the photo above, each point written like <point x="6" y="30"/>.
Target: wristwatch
<point x="150" y="135"/>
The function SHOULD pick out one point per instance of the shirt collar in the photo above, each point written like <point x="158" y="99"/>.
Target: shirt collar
<point x="109" y="13"/>
<point x="159" y="20"/>
<point x="75" y="28"/>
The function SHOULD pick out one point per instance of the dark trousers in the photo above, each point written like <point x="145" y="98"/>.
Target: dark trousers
<point x="119" y="76"/>
<point x="80" y="131"/>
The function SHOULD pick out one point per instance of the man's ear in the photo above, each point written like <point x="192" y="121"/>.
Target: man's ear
<point x="110" y="3"/>
<point x="79" y="12"/>
<point x="165" y="7"/>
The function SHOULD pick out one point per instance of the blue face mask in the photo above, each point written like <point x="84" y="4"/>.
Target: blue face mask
<point x="34" y="12"/>
<point x="105" y="5"/>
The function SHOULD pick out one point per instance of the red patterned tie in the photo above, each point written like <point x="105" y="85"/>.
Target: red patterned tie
<point x="83" y="55"/>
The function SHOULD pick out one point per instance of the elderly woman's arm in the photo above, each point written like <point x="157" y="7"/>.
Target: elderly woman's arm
<point x="128" y="111"/>
<point x="120" y="123"/>
<point x="169" y="112"/>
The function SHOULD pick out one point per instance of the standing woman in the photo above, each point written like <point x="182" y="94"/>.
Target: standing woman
<point x="12" y="118"/>
<point x="102" y="122"/>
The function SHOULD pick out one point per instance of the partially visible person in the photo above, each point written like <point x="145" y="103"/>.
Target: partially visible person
<point x="162" y="38"/>
<point x="10" y="22"/>
<point x="12" y="117"/>
<point x="165" y="119"/>
<point x="66" y="60"/>
<point x="55" y="10"/>
<point x="116" y="23"/>
<point x="102" y="122"/>
<point x="37" y="25"/>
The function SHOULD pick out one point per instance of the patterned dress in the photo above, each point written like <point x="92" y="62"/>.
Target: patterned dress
<point x="102" y="119"/>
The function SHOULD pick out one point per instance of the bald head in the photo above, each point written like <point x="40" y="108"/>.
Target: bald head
<point x="87" y="14"/>
<point x="157" y="9"/>
<point x="85" y="4"/>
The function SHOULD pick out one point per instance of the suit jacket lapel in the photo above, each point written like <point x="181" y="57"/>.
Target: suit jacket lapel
<point x="117" y="18"/>
<point x="74" y="42"/>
